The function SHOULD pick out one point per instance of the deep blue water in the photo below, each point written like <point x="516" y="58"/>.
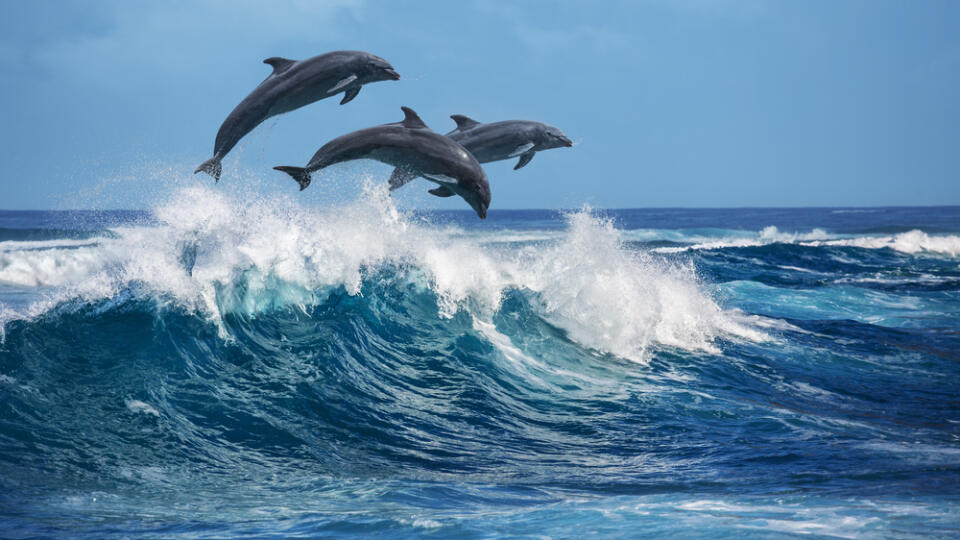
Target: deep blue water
<point x="218" y="368"/>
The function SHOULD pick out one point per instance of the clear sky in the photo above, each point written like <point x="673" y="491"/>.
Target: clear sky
<point x="700" y="103"/>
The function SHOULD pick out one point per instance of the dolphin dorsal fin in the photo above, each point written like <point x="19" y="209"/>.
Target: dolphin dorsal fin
<point x="411" y="119"/>
<point x="464" y="122"/>
<point x="279" y="64"/>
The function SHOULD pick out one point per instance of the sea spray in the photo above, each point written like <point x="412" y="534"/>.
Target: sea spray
<point x="618" y="300"/>
<point x="218" y="253"/>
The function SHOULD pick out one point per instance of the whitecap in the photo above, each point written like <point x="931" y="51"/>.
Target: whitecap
<point x="215" y="253"/>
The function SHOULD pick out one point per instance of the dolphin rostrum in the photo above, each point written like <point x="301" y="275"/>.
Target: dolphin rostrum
<point x="414" y="148"/>
<point x="497" y="141"/>
<point x="292" y="85"/>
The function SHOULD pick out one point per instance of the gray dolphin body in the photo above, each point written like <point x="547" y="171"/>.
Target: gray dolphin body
<point x="412" y="147"/>
<point x="498" y="141"/>
<point x="292" y="85"/>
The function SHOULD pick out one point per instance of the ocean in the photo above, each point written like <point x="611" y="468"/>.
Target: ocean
<point x="216" y="367"/>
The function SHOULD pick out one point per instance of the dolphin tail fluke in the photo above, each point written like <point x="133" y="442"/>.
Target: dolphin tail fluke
<point x="211" y="167"/>
<point x="301" y="175"/>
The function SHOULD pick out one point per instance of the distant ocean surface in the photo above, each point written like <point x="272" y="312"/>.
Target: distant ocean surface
<point x="217" y="368"/>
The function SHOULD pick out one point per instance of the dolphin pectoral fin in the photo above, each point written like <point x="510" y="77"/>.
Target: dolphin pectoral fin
<point x="301" y="175"/>
<point x="442" y="191"/>
<point x="400" y="177"/>
<point x="342" y="84"/>
<point x="524" y="159"/>
<point x="522" y="149"/>
<point x="350" y="94"/>
<point x="212" y="167"/>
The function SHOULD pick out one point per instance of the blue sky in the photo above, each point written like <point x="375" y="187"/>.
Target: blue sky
<point x="703" y="103"/>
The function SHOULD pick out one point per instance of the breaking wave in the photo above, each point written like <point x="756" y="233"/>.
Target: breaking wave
<point x="910" y="242"/>
<point x="217" y="255"/>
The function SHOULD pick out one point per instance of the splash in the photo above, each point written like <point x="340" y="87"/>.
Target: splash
<point x="622" y="301"/>
<point x="216" y="253"/>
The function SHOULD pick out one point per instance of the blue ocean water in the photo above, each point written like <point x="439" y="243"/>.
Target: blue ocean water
<point x="217" y="367"/>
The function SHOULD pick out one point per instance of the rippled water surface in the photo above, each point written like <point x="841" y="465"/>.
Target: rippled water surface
<point x="220" y="368"/>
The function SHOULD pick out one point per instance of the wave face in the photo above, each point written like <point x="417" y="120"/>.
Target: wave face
<point x="221" y="367"/>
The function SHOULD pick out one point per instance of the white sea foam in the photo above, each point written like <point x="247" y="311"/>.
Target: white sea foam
<point x="916" y="452"/>
<point x="769" y="235"/>
<point x="250" y="256"/>
<point x="426" y="523"/>
<point x="508" y="236"/>
<point x="891" y="278"/>
<point x="622" y="301"/>
<point x="137" y="406"/>
<point x="765" y="517"/>
<point x="912" y="242"/>
<point x="856" y="211"/>
<point x="54" y="267"/>
<point x="15" y="245"/>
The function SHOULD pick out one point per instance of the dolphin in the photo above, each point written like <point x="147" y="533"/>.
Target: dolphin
<point x="292" y="85"/>
<point x="413" y="147"/>
<point x="497" y="141"/>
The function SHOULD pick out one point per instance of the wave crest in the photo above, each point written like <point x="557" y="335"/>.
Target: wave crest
<point x="911" y="242"/>
<point x="218" y="254"/>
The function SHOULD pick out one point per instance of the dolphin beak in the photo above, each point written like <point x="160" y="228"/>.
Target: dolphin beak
<point x="393" y="74"/>
<point x="566" y="142"/>
<point x="482" y="212"/>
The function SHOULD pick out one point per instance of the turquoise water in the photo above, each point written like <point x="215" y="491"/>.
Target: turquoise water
<point x="216" y="368"/>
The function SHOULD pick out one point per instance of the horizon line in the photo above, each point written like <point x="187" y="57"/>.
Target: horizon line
<point x="549" y="209"/>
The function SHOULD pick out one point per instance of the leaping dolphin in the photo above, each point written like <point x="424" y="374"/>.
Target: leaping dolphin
<point x="415" y="149"/>
<point x="498" y="141"/>
<point x="292" y="85"/>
